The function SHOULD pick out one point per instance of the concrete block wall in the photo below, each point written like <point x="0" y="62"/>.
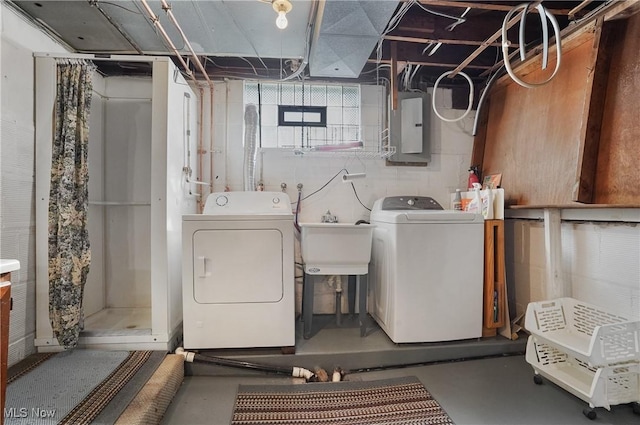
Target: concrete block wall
<point x="600" y="263"/>
<point x="17" y="170"/>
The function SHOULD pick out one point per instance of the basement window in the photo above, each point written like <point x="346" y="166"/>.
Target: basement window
<point x="298" y="115"/>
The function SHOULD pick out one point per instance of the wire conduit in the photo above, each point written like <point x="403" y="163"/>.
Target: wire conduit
<point x="433" y="98"/>
<point x="506" y="43"/>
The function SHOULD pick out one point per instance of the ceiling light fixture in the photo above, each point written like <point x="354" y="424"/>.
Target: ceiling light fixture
<point x="282" y="7"/>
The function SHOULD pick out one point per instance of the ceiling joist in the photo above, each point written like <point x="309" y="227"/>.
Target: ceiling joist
<point x="439" y="40"/>
<point x="427" y="63"/>
<point x="484" y="6"/>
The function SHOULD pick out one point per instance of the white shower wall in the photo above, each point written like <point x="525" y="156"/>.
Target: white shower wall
<point x="120" y="191"/>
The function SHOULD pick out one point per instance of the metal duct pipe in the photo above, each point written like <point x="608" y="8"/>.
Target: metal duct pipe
<point x="250" y="146"/>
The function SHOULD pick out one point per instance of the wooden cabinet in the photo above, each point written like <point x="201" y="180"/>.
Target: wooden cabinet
<point x="494" y="304"/>
<point x="5" y="307"/>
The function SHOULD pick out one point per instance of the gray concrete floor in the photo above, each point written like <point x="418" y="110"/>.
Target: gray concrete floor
<point x="489" y="391"/>
<point x="492" y="390"/>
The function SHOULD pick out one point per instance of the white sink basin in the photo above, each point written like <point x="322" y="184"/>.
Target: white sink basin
<point x="336" y="248"/>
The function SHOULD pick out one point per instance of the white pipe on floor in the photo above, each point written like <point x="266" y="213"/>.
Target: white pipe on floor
<point x="188" y="355"/>
<point x="296" y="372"/>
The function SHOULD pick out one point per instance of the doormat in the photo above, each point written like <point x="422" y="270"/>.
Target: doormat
<point x="390" y="401"/>
<point x="75" y="386"/>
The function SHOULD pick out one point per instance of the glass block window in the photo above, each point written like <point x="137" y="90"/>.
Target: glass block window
<point x="325" y="114"/>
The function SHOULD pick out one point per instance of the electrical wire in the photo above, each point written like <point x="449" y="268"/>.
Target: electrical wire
<point x="327" y="184"/>
<point x="459" y="20"/>
<point x="358" y="198"/>
<point x="96" y="2"/>
<point x="243" y="31"/>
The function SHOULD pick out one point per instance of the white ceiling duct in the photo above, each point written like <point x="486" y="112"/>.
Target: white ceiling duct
<point x="346" y="34"/>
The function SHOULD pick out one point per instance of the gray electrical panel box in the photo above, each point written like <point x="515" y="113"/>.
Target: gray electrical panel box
<point x="409" y="129"/>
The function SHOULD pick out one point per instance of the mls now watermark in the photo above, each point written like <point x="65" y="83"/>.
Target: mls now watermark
<point x="34" y="412"/>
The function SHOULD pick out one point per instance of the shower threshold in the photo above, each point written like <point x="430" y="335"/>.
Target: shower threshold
<point x="119" y="329"/>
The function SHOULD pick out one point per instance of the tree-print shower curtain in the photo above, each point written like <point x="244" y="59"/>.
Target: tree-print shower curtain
<point x="69" y="252"/>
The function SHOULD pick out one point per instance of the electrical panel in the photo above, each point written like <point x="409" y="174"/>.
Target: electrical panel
<point x="409" y="129"/>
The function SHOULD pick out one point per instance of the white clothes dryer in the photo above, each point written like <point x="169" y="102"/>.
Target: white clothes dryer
<point x="426" y="270"/>
<point x="238" y="272"/>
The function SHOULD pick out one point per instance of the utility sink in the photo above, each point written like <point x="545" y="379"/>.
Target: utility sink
<point x="336" y="248"/>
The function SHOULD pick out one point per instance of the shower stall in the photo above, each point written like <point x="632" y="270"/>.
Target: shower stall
<point x="141" y="135"/>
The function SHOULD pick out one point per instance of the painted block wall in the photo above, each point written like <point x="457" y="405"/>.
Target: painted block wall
<point x="17" y="169"/>
<point x="600" y="263"/>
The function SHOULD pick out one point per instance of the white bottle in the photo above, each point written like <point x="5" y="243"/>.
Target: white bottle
<point x="475" y="206"/>
<point x="487" y="204"/>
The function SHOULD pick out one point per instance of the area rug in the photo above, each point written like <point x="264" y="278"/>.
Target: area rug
<point x="390" y="401"/>
<point x="75" y="386"/>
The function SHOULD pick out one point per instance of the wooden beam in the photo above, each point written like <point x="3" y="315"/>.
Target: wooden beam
<point x="596" y="90"/>
<point x="578" y="8"/>
<point x="465" y="4"/>
<point x="482" y="5"/>
<point x="438" y="40"/>
<point x="488" y="42"/>
<point x="424" y="63"/>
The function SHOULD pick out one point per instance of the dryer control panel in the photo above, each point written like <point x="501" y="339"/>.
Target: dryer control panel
<point x="410" y="203"/>
<point x="247" y="203"/>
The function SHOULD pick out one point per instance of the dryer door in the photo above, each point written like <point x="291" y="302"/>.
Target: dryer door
<point x="237" y="266"/>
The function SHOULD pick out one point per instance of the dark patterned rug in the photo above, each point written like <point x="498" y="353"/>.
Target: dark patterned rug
<point x="390" y="401"/>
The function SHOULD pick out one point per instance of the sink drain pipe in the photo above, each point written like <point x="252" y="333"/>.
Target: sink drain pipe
<point x="296" y="372"/>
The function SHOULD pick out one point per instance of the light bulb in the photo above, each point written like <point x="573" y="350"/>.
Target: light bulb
<point x="281" y="21"/>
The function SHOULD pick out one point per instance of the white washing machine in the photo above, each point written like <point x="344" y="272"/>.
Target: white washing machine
<point x="238" y="272"/>
<point x="426" y="270"/>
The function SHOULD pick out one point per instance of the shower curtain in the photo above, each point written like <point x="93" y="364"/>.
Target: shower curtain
<point x="69" y="252"/>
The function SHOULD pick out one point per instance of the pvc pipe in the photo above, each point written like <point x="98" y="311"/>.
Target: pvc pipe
<point x="296" y="372"/>
<point x="545" y="34"/>
<point x="349" y="177"/>
<point x="433" y="98"/>
<point x="506" y="43"/>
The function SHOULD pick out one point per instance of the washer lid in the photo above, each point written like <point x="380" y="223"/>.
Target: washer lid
<point x="425" y="216"/>
<point x="408" y="203"/>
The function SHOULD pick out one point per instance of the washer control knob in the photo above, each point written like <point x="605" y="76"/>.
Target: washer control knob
<point x="276" y="200"/>
<point x="222" y="200"/>
<point x="411" y="202"/>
